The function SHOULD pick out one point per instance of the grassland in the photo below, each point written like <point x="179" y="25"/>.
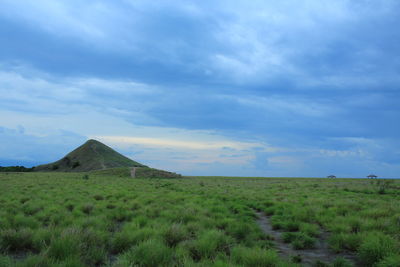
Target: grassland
<point x="65" y="219"/>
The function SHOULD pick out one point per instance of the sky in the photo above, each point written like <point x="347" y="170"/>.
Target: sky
<point x="236" y="88"/>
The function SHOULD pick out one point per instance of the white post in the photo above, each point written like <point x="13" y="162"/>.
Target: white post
<point x="133" y="172"/>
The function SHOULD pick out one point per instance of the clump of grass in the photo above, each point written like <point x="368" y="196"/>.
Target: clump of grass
<point x="66" y="246"/>
<point x="24" y="199"/>
<point x="21" y="221"/>
<point x="239" y="230"/>
<point x="254" y="257"/>
<point x="310" y="229"/>
<point x="319" y="263"/>
<point x="5" y="261"/>
<point x="36" y="260"/>
<point x="141" y="221"/>
<point x="120" y="215"/>
<point x="31" y="209"/>
<point x="390" y="261"/>
<point x="135" y="205"/>
<point x="70" y="207"/>
<point x="345" y="241"/>
<point x="292" y="226"/>
<point x="130" y="237"/>
<point x="150" y="253"/>
<point x="341" y="262"/>
<point x="376" y="247"/>
<point x="296" y="258"/>
<point x="42" y="238"/>
<point x="210" y="243"/>
<point x="299" y="240"/>
<point x="111" y="206"/>
<point x="12" y="240"/>
<point x="175" y="234"/>
<point x="87" y="208"/>
<point x="98" y="197"/>
<point x="269" y="211"/>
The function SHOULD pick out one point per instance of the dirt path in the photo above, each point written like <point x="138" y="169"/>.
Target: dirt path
<point x="321" y="252"/>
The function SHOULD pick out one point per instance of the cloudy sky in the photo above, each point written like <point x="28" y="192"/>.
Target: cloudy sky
<point x="249" y="88"/>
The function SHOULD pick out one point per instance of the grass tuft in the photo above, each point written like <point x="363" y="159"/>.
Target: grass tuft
<point x="16" y="240"/>
<point x="175" y="234"/>
<point x="151" y="253"/>
<point x="87" y="208"/>
<point x="254" y="257"/>
<point x="376" y="247"/>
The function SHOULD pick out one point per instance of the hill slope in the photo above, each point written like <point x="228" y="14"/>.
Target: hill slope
<point x="92" y="155"/>
<point x="144" y="172"/>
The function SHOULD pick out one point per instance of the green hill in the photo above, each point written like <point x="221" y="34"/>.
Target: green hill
<point x="92" y="155"/>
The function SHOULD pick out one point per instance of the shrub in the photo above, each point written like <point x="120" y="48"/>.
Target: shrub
<point x="85" y="177"/>
<point x="376" y="247"/>
<point x="254" y="257"/>
<point x="75" y="164"/>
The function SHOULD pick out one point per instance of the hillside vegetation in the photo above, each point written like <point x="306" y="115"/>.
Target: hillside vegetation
<point x="141" y="172"/>
<point x="92" y="155"/>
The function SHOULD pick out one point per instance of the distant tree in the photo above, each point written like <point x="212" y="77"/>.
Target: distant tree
<point x="54" y="167"/>
<point x="75" y="164"/>
<point x="16" y="169"/>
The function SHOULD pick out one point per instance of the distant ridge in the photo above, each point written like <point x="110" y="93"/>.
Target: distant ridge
<point x="92" y="155"/>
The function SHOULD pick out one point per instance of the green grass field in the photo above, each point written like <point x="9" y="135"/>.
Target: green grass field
<point x="62" y="219"/>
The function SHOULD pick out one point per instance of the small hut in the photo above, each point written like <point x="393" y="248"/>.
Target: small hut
<point x="372" y="176"/>
<point x="331" y="176"/>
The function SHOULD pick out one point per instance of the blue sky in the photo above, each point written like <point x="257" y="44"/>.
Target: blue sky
<point x="260" y="88"/>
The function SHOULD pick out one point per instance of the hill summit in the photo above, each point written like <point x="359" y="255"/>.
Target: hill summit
<point x="92" y="155"/>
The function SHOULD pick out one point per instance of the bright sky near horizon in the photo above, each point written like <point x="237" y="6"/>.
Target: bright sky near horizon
<point x="245" y="88"/>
